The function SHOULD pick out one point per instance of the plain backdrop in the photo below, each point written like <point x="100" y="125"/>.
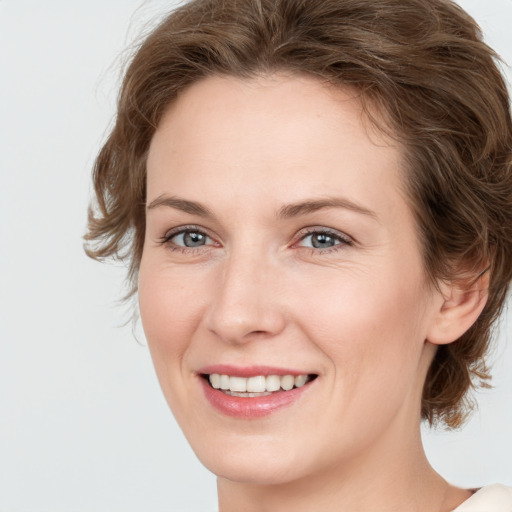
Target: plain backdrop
<point x="83" y="425"/>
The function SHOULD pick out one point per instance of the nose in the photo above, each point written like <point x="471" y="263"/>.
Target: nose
<point x="246" y="301"/>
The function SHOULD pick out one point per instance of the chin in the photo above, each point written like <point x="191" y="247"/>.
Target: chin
<point x="259" y="462"/>
<point x="254" y="472"/>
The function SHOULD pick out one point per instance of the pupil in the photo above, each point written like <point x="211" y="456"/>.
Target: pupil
<point x="193" y="239"/>
<point x="321" y="241"/>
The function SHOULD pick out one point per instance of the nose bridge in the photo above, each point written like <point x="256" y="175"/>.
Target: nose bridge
<point x="245" y="302"/>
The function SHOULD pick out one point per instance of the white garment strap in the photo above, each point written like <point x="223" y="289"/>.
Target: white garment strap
<point x="491" y="498"/>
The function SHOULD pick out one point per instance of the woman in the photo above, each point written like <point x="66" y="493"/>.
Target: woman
<point x="316" y="203"/>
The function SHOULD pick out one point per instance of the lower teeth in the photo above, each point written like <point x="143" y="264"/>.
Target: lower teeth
<point x="246" y="395"/>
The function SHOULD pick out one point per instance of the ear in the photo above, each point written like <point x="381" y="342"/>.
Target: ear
<point x="463" y="302"/>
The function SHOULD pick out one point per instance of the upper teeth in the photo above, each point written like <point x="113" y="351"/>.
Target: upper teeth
<point x="258" y="384"/>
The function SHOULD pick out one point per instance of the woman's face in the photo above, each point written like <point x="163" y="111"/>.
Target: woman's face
<point x="280" y="251"/>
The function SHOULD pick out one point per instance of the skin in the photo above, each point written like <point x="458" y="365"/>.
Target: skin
<point x="359" y="314"/>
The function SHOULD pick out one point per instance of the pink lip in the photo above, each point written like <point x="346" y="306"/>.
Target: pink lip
<point x="246" y="407"/>
<point x="247" y="371"/>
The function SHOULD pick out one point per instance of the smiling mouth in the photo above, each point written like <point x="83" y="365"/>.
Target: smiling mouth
<point x="257" y="386"/>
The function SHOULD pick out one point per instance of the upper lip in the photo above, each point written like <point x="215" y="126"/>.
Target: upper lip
<point x="249" y="371"/>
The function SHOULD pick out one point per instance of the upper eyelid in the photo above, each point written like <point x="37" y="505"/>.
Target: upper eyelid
<point x="183" y="229"/>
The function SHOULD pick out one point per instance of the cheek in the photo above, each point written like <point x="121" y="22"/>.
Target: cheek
<point x="370" y="327"/>
<point x="170" y="308"/>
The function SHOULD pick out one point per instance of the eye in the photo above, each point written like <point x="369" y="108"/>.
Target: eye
<point x="322" y="239"/>
<point x="190" y="239"/>
<point x="187" y="238"/>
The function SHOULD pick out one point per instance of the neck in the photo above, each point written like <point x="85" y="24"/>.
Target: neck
<point x="390" y="477"/>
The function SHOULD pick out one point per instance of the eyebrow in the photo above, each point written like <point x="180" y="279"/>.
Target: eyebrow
<point x="285" y="212"/>
<point x="178" y="203"/>
<point x="313" y="205"/>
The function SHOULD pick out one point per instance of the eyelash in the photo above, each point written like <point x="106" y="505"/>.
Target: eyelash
<point x="341" y="239"/>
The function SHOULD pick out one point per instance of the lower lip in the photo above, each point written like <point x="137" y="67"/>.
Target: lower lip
<point x="255" y="407"/>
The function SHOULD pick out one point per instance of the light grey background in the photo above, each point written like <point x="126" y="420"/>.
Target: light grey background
<point x="83" y="425"/>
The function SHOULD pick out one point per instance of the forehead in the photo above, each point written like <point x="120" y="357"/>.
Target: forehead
<point x="279" y="99"/>
<point x="291" y="134"/>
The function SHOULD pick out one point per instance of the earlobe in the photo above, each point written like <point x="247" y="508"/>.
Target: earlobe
<point x="462" y="305"/>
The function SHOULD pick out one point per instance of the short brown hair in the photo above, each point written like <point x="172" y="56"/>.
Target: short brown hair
<point x="422" y="63"/>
